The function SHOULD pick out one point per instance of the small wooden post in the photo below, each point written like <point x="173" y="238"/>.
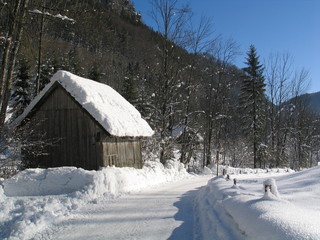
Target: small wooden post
<point x="217" y="159"/>
<point x="266" y="187"/>
<point x="224" y="172"/>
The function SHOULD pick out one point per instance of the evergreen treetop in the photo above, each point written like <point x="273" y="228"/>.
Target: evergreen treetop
<point x="252" y="102"/>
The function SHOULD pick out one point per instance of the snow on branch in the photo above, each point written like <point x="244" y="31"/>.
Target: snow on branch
<point x="36" y="11"/>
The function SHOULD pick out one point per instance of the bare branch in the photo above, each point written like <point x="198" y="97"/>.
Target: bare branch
<point x="198" y="38"/>
<point x="169" y="18"/>
<point x="225" y="51"/>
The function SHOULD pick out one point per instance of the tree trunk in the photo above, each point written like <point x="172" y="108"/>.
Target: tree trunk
<point x="15" y="35"/>
<point x="40" y="51"/>
<point x="13" y="22"/>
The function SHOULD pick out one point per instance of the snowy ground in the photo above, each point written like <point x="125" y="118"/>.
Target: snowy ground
<point x="36" y="199"/>
<point x="159" y="202"/>
<point x="164" y="212"/>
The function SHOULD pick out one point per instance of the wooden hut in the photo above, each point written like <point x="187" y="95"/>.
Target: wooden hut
<point x="85" y="124"/>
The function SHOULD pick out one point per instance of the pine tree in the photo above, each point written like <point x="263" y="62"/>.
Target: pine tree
<point x="49" y="67"/>
<point x="45" y="74"/>
<point x="129" y="89"/>
<point x="94" y="73"/>
<point x="252" y="103"/>
<point x="21" y="90"/>
<point x="71" y="62"/>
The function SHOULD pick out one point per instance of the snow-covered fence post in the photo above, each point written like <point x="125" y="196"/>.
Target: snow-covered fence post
<point x="267" y="187"/>
<point x="224" y="172"/>
<point x="270" y="187"/>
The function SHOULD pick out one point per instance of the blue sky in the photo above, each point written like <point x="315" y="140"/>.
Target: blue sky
<point x="284" y="26"/>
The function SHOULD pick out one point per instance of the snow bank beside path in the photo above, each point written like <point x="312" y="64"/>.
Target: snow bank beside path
<point x="110" y="181"/>
<point x="243" y="211"/>
<point x="52" y="181"/>
<point x="37" y="198"/>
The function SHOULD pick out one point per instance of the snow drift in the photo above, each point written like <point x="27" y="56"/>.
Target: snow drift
<point x="110" y="181"/>
<point x="244" y="211"/>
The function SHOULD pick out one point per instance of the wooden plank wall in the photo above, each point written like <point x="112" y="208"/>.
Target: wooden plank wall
<point x="63" y="119"/>
<point x="122" y="152"/>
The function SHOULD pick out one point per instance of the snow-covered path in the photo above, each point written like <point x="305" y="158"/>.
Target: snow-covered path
<point x="164" y="212"/>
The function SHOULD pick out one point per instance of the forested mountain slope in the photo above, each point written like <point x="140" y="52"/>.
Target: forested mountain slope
<point x="313" y="100"/>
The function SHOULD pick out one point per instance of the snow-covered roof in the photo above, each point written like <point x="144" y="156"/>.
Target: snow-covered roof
<point x="115" y="114"/>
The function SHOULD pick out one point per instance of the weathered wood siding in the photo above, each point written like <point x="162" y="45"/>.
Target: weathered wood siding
<point x="63" y="119"/>
<point x="122" y="152"/>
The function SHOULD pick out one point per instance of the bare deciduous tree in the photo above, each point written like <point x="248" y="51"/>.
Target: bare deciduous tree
<point x="170" y="20"/>
<point x="199" y="39"/>
<point x="217" y="92"/>
<point x="278" y="77"/>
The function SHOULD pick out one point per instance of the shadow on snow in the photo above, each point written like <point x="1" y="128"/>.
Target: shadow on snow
<point x="185" y="214"/>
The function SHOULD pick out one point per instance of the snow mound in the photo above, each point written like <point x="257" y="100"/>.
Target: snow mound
<point x="207" y="171"/>
<point x="116" y="181"/>
<point x="272" y="219"/>
<point x="52" y="181"/>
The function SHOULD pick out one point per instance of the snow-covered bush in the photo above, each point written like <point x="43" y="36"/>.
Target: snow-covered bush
<point x="175" y="165"/>
<point x="206" y="171"/>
